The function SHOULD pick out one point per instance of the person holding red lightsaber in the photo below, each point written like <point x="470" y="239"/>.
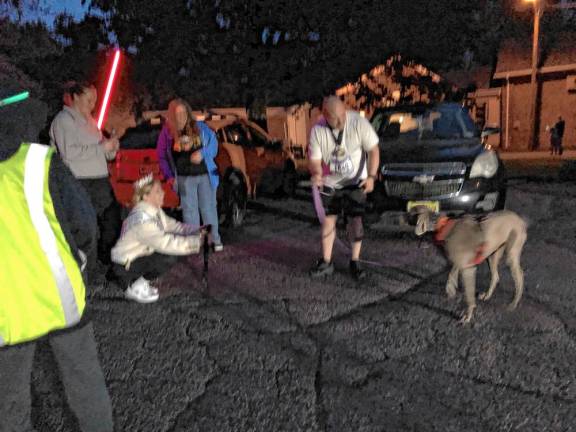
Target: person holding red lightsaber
<point x="85" y="150"/>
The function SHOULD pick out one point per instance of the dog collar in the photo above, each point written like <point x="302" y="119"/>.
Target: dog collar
<point x="443" y="227"/>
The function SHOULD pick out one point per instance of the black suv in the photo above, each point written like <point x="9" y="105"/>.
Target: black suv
<point x="436" y="157"/>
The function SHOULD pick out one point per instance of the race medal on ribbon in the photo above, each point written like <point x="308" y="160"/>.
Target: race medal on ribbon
<point x="341" y="162"/>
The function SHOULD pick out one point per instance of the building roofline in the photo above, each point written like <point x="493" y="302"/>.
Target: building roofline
<point x="527" y="72"/>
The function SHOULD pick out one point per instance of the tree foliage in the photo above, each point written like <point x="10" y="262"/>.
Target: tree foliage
<point x="223" y="52"/>
<point x="261" y="52"/>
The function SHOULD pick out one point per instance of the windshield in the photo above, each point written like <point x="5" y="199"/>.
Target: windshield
<point x="445" y="122"/>
<point x="143" y="136"/>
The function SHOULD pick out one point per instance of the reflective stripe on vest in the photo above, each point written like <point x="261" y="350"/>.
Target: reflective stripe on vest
<point x="42" y="288"/>
<point x="34" y="189"/>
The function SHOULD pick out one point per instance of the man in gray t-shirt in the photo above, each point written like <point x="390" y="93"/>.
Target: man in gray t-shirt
<point x="344" y="158"/>
<point x="85" y="151"/>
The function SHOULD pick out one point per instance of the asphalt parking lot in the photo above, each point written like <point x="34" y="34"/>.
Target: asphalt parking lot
<point x="265" y="348"/>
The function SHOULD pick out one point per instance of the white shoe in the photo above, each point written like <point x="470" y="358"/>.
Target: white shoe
<point x="218" y="247"/>
<point x="141" y="291"/>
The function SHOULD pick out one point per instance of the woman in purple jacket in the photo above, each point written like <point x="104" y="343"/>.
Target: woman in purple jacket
<point x="186" y="150"/>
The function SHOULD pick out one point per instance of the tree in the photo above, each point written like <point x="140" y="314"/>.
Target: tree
<point x="265" y="52"/>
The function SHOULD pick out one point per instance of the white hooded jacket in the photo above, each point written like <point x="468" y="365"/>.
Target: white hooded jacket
<point x="147" y="229"/>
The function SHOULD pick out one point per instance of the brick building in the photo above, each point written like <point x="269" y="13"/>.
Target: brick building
<point x="556" y="90"/>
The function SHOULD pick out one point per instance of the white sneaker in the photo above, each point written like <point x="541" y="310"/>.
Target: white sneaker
<point x="141" y="291"/>
<point x="218" y="247"/>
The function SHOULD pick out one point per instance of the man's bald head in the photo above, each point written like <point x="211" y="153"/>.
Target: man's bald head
<point x="334" y="112"/>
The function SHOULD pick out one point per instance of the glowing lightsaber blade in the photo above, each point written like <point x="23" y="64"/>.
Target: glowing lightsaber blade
<point x="15" y="98"/>
<point x="106" y="99"/>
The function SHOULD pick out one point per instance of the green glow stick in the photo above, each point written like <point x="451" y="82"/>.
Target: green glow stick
<point x="13" y="99"/>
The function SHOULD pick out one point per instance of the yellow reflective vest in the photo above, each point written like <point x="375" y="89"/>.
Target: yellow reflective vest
<point x="41" y="286"/>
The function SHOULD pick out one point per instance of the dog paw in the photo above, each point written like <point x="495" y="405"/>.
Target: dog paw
<point x="467" y="316"/>
<point x="484" y="296"/>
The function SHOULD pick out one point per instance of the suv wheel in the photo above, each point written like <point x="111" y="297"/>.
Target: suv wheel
<point x="236" y="214"/>
<point x="235" y="199"/>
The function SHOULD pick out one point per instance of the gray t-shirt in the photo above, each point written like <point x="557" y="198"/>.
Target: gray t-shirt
<point x="78" y="143"/>
<point x="342" y="162"/>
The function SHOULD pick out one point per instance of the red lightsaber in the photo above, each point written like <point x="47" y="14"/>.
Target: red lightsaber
<point x="106" y="99"/>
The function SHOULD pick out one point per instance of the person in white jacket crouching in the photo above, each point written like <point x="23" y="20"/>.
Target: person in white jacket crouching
<point x="150" y="242"/>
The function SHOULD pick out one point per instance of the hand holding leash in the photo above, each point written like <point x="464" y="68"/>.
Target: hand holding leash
<point x="317" y="181"/>
<point x="367" y="184"/>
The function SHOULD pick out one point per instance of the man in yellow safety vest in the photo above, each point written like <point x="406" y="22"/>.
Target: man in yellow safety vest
<point x="47" y="227"/>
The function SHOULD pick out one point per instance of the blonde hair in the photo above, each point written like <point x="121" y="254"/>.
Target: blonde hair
<point x="140" y="191"/>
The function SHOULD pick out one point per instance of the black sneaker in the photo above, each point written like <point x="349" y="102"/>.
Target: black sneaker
<point x="356" y="271"/>
<point x="322" y="268"/>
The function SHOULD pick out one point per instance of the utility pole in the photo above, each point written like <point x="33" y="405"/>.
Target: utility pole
<point x="533" y="143"/>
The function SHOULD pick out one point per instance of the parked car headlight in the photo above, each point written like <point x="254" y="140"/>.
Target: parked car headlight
<point x="485" y="165"/>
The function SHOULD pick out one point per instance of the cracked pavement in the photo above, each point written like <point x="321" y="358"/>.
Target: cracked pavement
<point x="269" y="349"/>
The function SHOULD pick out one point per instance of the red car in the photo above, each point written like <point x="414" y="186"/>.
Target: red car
<point x="248" y="160"/>
<point x="268" y="166"/>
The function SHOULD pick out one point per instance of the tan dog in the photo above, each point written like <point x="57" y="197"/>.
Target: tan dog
<point x="468" y="242"/>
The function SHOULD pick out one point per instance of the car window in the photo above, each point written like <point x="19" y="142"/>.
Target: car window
<point x="140" y="137"/>
<point x="221" y="135"/>
<point x="377" y="121"/>
<point x="236" y="134"/>
<point x="407" y="121"/>
<point x="449" y="121"/>
<point x="258" y="139"/>
<point x="261" y="140"/>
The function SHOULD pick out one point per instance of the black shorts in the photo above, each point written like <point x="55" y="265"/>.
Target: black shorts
<point x="350" y="200"/>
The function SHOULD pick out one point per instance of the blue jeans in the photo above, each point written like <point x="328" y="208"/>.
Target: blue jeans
<point x="198" y="198"/>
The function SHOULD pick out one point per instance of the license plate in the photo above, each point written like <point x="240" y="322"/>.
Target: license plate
<point x="433" y="206"/>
